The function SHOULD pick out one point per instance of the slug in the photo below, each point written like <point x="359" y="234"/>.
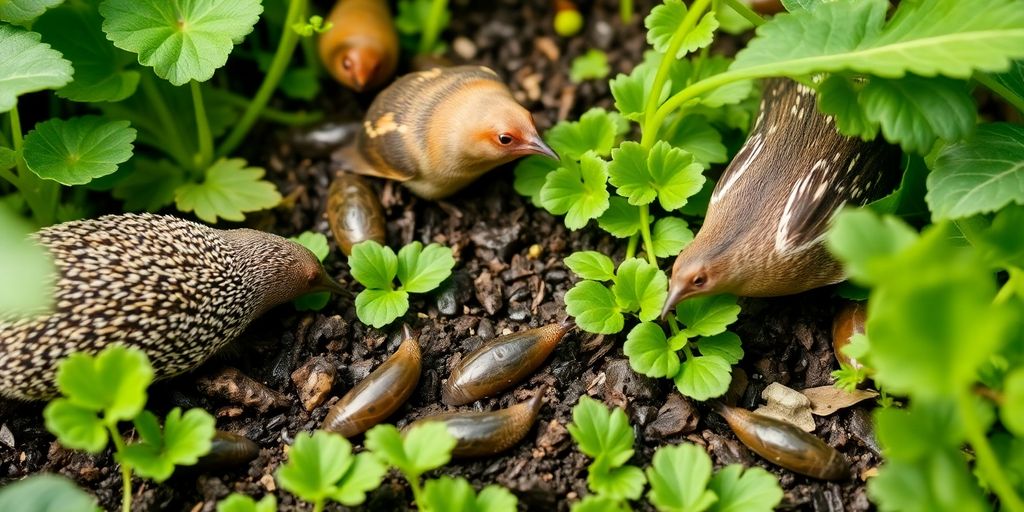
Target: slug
<point x="480" y="434"/>
<point x="228" y="450"/>
<point x="501" y="363"/>
<point x="380" y="394"/>
<point x="354" y="212"/>
<point x="785" y="444"/>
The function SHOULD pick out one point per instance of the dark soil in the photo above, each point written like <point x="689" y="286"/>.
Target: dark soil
<point x="497" y="288"/>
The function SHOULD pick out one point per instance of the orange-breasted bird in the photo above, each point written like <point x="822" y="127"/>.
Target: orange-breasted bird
<point x="769" y="212"/>
<point x="438" y="130"/>
<point x="361" y="48"/>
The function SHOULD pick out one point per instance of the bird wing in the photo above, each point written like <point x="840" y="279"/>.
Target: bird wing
<point x="353" y="160"/>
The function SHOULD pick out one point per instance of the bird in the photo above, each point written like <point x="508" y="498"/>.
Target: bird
<point x="438" y="130"/>
<point x="769" y="212"/>
<point x="176" y="289"/>
<point x="360" y="50"/>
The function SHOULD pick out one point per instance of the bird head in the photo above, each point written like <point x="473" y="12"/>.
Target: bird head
<point x="690" y="278"/>
<point x="357" y="67"/>
<point x="506" y="132"/>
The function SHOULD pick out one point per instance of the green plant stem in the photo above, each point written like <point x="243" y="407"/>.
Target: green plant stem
<point x="631" y="247"/>
<point x="417" y="491"/>
<point x="271" y="114"/>
<point x="432" y="27"/>
<point x="126" y="472"/>
<point x="688" y="351"/>
<point x="202" y="127"/>
<point x="645" y="233"/>
<point x="650" y="129"/>
<point x="672" y="325"/>
<point x="176" y="146"/>
<point x="40" y="195"/>
<point x="744" y="10"/>
<point x="1001" y="90"/>
<point x="626" y="11"/>
<point x="988" y="463"/>
<point x="318" y="505"/>
<point x="285" y="50"/>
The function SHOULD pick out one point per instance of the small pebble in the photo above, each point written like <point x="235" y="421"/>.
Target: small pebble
<point x="677" y="416"/>
<point x="6" y="437"/>
<point x="788" y="405"/>
<point x="313" y="381"/>
<point x="464" y="47"/>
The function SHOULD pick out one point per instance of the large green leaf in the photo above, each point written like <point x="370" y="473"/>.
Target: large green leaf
<point x="229" y="190"/>
<point x="980" y="174"/>
<point x="46" y="492"/>
<point x="581" y="194"/>
<point x="27" y="65"/>
<point x="78" y="150"/>
<point x="21" y="12"/>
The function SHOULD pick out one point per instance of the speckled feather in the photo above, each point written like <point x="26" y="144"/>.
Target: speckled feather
<point x="176" y="289"/>
<point x="772" y="206"/>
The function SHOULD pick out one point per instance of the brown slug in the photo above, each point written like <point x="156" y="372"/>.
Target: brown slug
<point x="380" y="394"/>
<point x="848" y="322"/>
<point x="228" y="450"/>
<point x="785" y="444"/>
<point x="361" y="48"/>
<point x="436" y="131"/>
<point x="479" y="434"/>
<point x="354" y="212"/>
<point x="501" y="363"/>
<point x="767" y="6"/>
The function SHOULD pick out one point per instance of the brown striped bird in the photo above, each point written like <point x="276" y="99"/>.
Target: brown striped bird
<point x="765" y="224"/>
<point x="438" y="130"/>
<point x="361" y="48"/>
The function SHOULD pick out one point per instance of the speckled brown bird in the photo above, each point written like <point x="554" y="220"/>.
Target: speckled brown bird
<point x="361" y="48"/>
<point x="769" y="212"/>
<point x="176" y="289"/>
<point x="438" y="130"/>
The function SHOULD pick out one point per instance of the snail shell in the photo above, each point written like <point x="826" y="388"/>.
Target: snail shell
<point x="380" y="394"/>
<point x="848" y="322"/>
<point x="501" y="363"/>
<point x="354" y="212"/>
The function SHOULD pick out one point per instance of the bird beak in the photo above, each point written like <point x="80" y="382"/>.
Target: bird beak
<point x="536" y="146"/>
<point x="676" y="293"/>
<point x="326" y="283"/>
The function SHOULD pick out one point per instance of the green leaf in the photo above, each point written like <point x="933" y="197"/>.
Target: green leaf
<point x="456" y="495"/>
<point x="621" y="219"/>
<point x="745" y="490"/>
<point x="1012" y="82"/>
<point x="425" y="447"/>
<point x="666" y="173"/>
<point x="78" y="150"/>
<point x="229" y="190"/>
<point x="22" y="12"/>
<point x="632" y="91"/>
<point x="322" y="466"/>
<point x="670" y="235"/>
<point x="649" y="351"/>
<point x="373" y="265"/>
<point x="579" y="194"/>
<point x="695" y="135"/>
<point x="679" y="477"/>
<point x="862" y="240"/>
<point x="708" y="315"/>
<point x="530" y="175"/>
<point x="664" y="21"/>
<point x="640" y="286"/>
<point x="628" y="173"/>
<point x="598" y="503"/>
<point x="241" y="503"/>
<point x="185" y="438"/>
<point x="594" y="308"/>
<point x="591" y="265"/>
<point x="590" y="65"/>
<point x="953" y="38"/>
<point x="601" y="434"/>
<point x="381" y="307"/>
<point x="100" y="68"/>
<point x="46" y="492"/>
<point x="838" y="95"/>
<point x="26" y="269"/>
<point x="29" y="66"/>
<point x="621" y="483"/>
<point x="596" y="131"/>
<point x="1011" y="412"/>
<point x="420" y="269"/>
<point x="1001" y="243"/>
<point x="704" y="377"/>
<point x="980" y="174"/>
<point x="914" y="111"/>
<point x="75" y="426"/>
<point x="725" y="345"/>
<point x="181" y="41"/>
<point x="315" y="242"/>
<point x="937" y="481"/>
<point x="114" y="382"/>
<point x="149" y="185"/>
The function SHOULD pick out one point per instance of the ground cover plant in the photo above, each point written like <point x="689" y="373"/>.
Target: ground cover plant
<point x="118" y="121"/>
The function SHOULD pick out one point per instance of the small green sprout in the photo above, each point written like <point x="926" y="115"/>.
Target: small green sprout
<point x="315" y="25"/>
<point x="419" y="269"/>
<point x="317" y="243"/>
<point x="447" y="494"/>
<point x="322" y="467"/>
<point x="592" y="65"/>
<point x="100" y="391"/>
<point x="242" y="503"/>
<point x="46" y="492"/>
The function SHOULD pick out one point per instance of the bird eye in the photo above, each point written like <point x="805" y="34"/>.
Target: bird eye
<point x="505" y="139"/>
<point x="346" y="63"/>
<point x="699" y="280"/>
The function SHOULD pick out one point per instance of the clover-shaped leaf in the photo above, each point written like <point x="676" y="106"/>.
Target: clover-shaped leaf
<point x="709" y="315"/>
<point x="631" y="92"/>
<point x="640" y="287"/>
<point x="679" y="477"/>
<point x="181" y="41"/>
<point x="742" y="489"/>
<point x="78" y="150"/>
<point x="322" y="466"/>
<point x="666" y="173"/>
<point x="650" y="352"/>
<point x="373" y="265"/>
<point x="581" y="194"/>
<point x="590" y="65"/>
<point x="594" y="307"/>
<point x="29" y="66"/>
<point x="381" y="307"/>
<point x="530" y="175"/>
<point x="456" y="495"/>
<point x="670" y="235"/>
<point x="621" y="219"/>
<point x="725" y="345"/>
<point x="622" y="482"/>
<point x="591" y="265"/>
<point x="228" y="191"/>
<point x="183" y="440"/>
<point x="425" y="447"/>
<point x="421" y="269"/>
<point x="704" y="377"/>
<point x="602" y="434"/>
<point x="113" y="382"/>
<point x="596" y="131"/>
<point x="664" y="21"/>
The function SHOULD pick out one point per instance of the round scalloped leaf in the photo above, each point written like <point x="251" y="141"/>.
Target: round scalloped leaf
<point x="229" y="190"/>
<point x="593" y="306"/>
<point x="78" y="150"/>
<point x="649" y="351"/>
<point x="28" y="66"/>
<point x="21" y="12"/>
<point x="181" y="41"/>
<point x="704" y="377"/>
<point x="381" y="307"/>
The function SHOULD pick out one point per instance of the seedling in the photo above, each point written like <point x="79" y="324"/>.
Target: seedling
<point x="317" y="243"/>
<point x="419" y="269"/>
<point x="592" y="65"/>
<point x="98" y="392"/>
<point x="322" y="467"/>
<point x="242" y="503"/>
<point x="680" y="476"/>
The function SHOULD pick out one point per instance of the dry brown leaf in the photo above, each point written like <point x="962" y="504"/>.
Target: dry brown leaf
<point x="826" y="400"/>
